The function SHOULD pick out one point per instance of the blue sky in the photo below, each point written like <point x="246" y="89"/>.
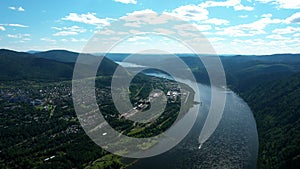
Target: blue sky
<point x="231" y="26"/>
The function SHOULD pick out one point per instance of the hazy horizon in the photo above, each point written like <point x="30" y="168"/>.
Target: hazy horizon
<point x="248" y="27"/>
<point x="98" y="53"/>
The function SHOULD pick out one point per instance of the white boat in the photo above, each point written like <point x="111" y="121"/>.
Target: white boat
<point x="226" y="90"/>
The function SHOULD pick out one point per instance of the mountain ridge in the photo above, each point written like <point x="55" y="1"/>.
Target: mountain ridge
<point x="24" y="66"/>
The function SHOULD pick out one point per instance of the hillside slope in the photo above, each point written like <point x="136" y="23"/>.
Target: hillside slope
<point x="25" y="66"/>
<point x="276" y="106"/>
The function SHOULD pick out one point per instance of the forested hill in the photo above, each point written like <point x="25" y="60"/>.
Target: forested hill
<point x="271" y="87"/>
<point x="276" y="106"/>
<point x="48" y="66"/>
<point x="269" y="84"/>
<point x="242" y="72"/>
<point x="246" y="72"/>
<point x="58" y="55"/>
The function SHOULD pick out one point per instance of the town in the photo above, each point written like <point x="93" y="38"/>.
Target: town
<point x="44" y="124"/>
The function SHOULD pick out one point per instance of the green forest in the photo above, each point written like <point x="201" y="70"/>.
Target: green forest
<point x="276" y="108"/>
<point x="39" y="128"/>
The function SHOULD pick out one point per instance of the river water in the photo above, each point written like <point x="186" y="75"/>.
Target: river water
<point x="234" y="144"/>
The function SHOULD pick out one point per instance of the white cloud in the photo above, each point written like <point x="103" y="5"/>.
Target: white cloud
<point x="135" y="31"/>
<point x="191" y="30"/>
<point x="190" y="13"/>
<point x="188" y="34"/>
<point x="147" y="16"/>
<point x="17" y="25"/>
<point x="286" y="4"/>
<point x="202" y="27"/>
<point x="141" y="12"/>
<point x="127" y="1"/>
<point x="243" y="16"/>
<point x="139" y="38"/>
<point x="114" y="39"/>
<point x="122" y="33"/>
<point x="67" y="31"/>
<point x="259" y="46"/>
<point x="236" y="4"/>
<point x="287" y="30"/>
<point x="277" y="37"/>
<point x="74" y="40"/>
<point x="2" y="28"/>
<point x="78" y="40"/>
<point x="12" y="36"/>
<point x="20" y="9"/>
<point x="22" y="37"/>
<point x="12" y="8"/>
<point x="295" y="18"/>
<point x="233" y="31"/>
<point x="89" y="18"/>
<point x="56" y="28"/>
<point x="105" y="32"/>
<point x="250" y="29"/>
<point x="193" y="27"/>
<point x="164" y="31"/>
<point x="200" y="12"/>
<point x="48" y="40"/>
<point x="26" y="39"/>
<point x="217" y="21"/>
<point x="265" y="1"/>
<point x="250" y="42"/>
<point x="18" y="36"/>
<point x="266" y="15"/>
<point x="241" y="7"/>
<point x="133" y="24"/>
<point x="215" y="39"/>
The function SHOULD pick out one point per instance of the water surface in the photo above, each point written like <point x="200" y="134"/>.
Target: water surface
<point x="234" y="144"/>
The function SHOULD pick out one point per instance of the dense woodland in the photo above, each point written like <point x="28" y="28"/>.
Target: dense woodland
<point x="39" y="127"/>
<point x="269" y="84"/>
<point x="276" y="106"/>
<point x="271" y="87"/>
<point x="49" y="135"/>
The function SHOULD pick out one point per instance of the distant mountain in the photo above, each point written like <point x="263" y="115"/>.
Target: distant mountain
<point x="33" y="51"/>
<point x="58" y="55"/>
<point x="51" y="65"/>
<point x="243" y="72"/>
<point x="271" y="87"/>
<point x="246" y="72"/>
<point x="276" y="107"/>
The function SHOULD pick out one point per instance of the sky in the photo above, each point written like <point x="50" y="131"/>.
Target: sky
<point x="229" y="26"/>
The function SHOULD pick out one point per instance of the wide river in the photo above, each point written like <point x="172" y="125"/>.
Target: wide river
<point x="234" y="144"/>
